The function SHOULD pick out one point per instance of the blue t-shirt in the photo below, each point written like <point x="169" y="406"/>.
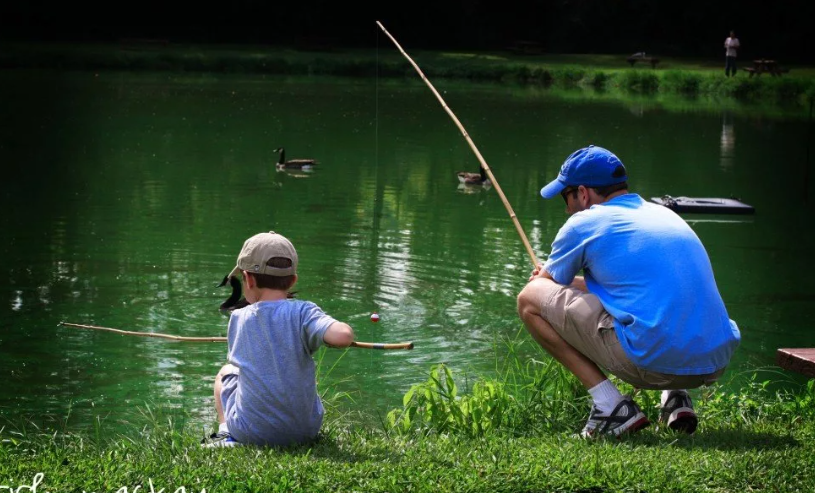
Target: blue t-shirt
<point x="652" y="274"/>
<point x="276" y="400"/>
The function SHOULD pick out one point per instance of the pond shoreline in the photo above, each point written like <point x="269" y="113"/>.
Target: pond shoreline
<point x="605" y="75"/>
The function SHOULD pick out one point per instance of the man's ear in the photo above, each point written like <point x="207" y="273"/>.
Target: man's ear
<point x="583" y="196"/>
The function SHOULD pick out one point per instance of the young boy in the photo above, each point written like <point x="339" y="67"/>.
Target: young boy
<point x="267" y="394"/>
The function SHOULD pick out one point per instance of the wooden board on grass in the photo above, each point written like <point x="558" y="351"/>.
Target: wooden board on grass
<point x="801" y="360"/>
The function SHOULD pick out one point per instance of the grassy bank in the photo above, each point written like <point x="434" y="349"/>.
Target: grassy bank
<point x="513" y="433"/>
<point x="757" y="457"/>
<point x="596" y="73"/>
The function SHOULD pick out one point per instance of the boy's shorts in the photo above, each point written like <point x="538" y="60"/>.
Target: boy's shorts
<point x="581" y="320"/>
<point x="236" y="425"/>
<point x="229" y="383"/>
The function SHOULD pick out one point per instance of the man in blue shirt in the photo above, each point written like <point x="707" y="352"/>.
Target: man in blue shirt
<point x="646" y="309"/>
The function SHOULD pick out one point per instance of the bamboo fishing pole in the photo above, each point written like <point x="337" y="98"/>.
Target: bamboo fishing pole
<point x="363" y="345"/>
<point x="481" y="160"/>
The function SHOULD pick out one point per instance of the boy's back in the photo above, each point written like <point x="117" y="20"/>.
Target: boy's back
<point x="267" y="393"/>
<point x="275" y="400"/>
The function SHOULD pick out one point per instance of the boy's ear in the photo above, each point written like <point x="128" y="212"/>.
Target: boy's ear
<point x="249" y="279"/>
<point x="293" y="280"/>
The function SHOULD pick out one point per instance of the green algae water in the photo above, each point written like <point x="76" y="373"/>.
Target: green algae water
<point x="126" y="198"/>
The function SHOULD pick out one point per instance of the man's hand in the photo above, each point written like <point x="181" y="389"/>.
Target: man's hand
<point x="539" y="272"/>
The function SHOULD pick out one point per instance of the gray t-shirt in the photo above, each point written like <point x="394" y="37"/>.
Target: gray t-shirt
<point x="275" y="401"/>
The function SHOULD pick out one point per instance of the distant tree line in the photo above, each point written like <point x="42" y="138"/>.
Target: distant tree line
<point x="692" y="28"/>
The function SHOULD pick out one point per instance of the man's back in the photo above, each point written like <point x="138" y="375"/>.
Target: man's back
<point x="652" y="274"/>
<point x="647" y="309"/>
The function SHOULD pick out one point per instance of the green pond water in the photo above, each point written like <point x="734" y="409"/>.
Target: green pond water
<point x="126" y="198"/>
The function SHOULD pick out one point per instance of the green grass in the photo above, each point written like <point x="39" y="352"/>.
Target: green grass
<point x="719" y="460"/>
<point x="608" y="74"/>
<point x="512" y="433"/>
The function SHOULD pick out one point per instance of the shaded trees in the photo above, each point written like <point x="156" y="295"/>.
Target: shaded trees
<point x="693" y="28"/>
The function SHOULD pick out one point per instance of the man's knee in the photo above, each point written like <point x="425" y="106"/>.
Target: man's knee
<point x="532" y="298"/>
<point x="525" y="306"/>
<point x="533" y="293"/>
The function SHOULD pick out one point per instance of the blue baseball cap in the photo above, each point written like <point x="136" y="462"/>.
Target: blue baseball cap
<point x="591" y="167"/>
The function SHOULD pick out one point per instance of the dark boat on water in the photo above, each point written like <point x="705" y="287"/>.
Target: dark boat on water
<point x="706" y="205"/>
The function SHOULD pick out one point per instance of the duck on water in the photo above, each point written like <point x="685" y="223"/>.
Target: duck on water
<point x="469" y="178"/>
<point x="282" y="163"/>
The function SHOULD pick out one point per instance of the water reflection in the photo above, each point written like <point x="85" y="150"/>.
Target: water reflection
<point x="637" y="109"/>
<point x="139" y="236"/>
<point x="296" y="173"/>
<point x="727" y="142"/>
<point x="469" y="188"/>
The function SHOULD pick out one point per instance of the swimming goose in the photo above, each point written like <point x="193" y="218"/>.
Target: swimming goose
<point x="469" y="178"/>
<point x="235" y="300"/>
<point x="292" y="163"/>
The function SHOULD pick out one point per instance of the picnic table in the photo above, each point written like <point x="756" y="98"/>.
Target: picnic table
<point x="764" y="66"/>
<point x="640" y="57"/>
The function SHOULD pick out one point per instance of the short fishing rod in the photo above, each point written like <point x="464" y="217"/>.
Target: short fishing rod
<point x="362" y="345"/>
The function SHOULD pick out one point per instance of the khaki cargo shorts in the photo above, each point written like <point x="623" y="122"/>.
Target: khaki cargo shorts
<point x="581" y="320"/>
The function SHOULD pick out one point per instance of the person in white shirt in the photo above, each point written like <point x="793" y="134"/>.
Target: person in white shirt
<point x="731" y="44"/>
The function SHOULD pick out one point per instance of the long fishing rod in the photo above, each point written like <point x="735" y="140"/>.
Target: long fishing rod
<point x="363" y="345"/>
<point x="484" y="165"/>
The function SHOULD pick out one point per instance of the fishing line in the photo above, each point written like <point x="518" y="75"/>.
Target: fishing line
<point x="481" y="160"/>
<point x="376" y="157"/>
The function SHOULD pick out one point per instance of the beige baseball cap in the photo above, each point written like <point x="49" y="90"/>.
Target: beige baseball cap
<point x="262" y="247"/>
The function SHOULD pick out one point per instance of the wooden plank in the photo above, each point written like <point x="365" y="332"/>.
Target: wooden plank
<point x="801" y="360"/>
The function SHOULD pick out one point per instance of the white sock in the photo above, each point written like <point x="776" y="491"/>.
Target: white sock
<point x="222" y="428"/>
<point x="606" y="396"/>
<point x="666" y="393"/>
